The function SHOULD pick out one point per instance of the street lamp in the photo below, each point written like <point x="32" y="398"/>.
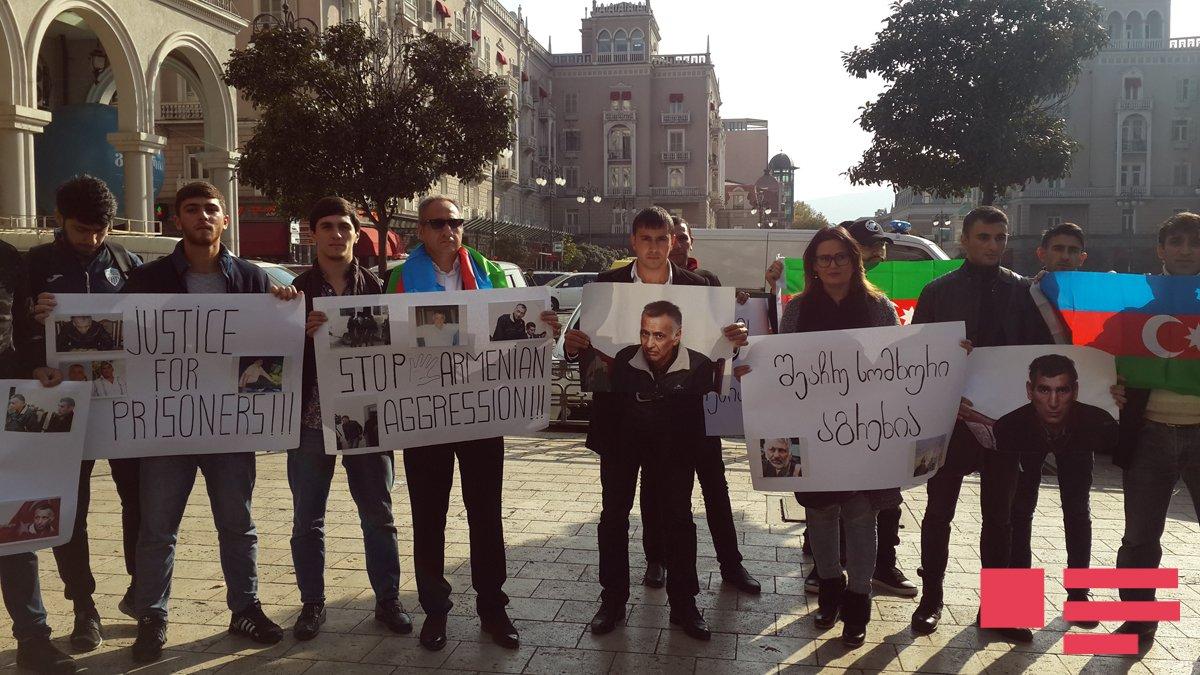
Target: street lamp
<point x="760" y="208"/>
<point x="941" y="228"/>
<point x="587" y="194"/>
<point x="1128" y="201"/>
<point x="550" y="177"/>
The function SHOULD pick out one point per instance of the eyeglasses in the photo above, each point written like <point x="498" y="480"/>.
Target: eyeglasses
<point x="840" y="260"/>
<point x="439" y="223"/>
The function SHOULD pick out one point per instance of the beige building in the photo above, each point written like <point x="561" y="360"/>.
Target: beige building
<point x="746" y="142"/>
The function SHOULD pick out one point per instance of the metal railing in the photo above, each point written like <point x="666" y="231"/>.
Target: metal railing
<point x="677" y="156"/>
<point x="451" y="35"/>
<point x="620" y="115"/>
<point x="180" y="110"/>
<point x="1136" y="104"/>
<point x="681" y="59"/>
<point x="677" y="118"/>
<point x="1134" y="146"/>
<point x="676" y="192"/>
<point x="1185" y="43"/>
<point x="1066" y="193"/>
<point x="226" y="5"/>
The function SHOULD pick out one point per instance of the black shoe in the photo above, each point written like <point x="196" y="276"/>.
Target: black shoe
<point x="606" y="617"/>
<point x="433" y="633"/>
<point x="1022" y="635"/>
<point x="151" y="636"/>
<point x="309" y="623"/>
<point x="391" y="614"/>
<point x="255" y="625"/>
<point x="740" y="579"/>
<point x="892" y="580"/>
<point x="1144" y="630"/>
<point x="856" y="614"/>
<point x="126" y="604"/>
<point x="812" y="582"/>
<point x="86" y="636"/>
<point x="501" y="628"/>
<point x="656" y="575"/>
<point x="1080" y="595"/>
<point x="929" y="611"/>
<point x="690" y="620"/>
<point x="41" y="656"/>
<point x="829" y="602"/>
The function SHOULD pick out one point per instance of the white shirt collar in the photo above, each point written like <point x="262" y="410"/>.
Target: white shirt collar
<point x="638" y="280"/>
<point x="452" y="280"/>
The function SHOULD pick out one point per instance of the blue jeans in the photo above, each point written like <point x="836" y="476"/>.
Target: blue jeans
<point x="371" y="476"/>
<point x="23" y="596"/>
<point x="861" y="542"/>
<point x="1164" y="455"/>
<point x="166" y="483"/>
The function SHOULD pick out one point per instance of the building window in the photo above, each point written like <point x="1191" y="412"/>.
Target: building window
<point x="1127" y="222"/>
<point x="571" y="104"/>
<point x="487" y="55"/>
<point x="603" y="46"/>
<point x="620" y="221"/>
<point x="272" y="7"/>
<point x="1054" y="221"/>
<point x="1183" y="90"/>
<point x="675" y="177"/>
<point x="410" y="9"/>
<point x="637" y="45"/>
<point x="675" y="106"/>
<point x="571" y="140"/>
<point x="1054" y="184"/>
<point x="193" y="167"/>
<point x="571" y="221"/>
<point x="1182" y="175"/>
<point x="571" y="175"/>
<point x="1131" y="175"/>
<point x="620" y="143"/>
<point x="1179" y="131"/>
<point x="460" y="25"/>
<point x="620" y="178"/>
<point x="675" y="140"/>
<point x="739" y="200"/>
<point x="1133" y="88"/>
<point x="427" y="10"/>
<point x="620" y="46"/>
<point x="1133" y="134"/>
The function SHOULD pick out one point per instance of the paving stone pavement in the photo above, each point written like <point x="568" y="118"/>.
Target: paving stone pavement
<point x="552" y="505"/>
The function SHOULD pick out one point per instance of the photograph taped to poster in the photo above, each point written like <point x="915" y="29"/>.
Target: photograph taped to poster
<point x="1018" y="391"/>
<point x="196" y="374"/>
<point x="41" y="446"/>
<point x="868" y="409"/>
<point x="636" y="327"/>
<point x="446" y="374"/>
<point x="723" y="409"/>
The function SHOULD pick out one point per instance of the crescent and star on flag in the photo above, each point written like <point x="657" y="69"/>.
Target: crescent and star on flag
<point x="1150" y="336"/>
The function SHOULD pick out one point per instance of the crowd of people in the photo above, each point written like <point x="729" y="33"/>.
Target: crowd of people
<point x="852" y="535"/>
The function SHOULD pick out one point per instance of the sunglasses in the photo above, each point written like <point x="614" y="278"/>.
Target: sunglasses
<point x="439" y="223"/>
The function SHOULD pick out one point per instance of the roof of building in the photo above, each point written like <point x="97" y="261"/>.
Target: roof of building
<point x="781" y="162"/>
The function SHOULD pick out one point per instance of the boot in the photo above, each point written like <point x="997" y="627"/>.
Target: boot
<point x="929" y="611"/>
<point x="856" y="613"/>
<point x="829" y="601"/>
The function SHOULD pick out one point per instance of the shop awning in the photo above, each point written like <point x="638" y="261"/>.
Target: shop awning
<point x="482" y="228"/>
<point x="368" y="243"/>
<point x="501" y="58"/>
<point x="442" y="9"/>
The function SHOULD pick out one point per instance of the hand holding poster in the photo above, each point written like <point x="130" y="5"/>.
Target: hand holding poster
<point x="862" y="409"/>
<point x="182" y="374"/>
<point x="723" y="409"/>
<point x="413" y="369"/>
<point x="41" y="446"/>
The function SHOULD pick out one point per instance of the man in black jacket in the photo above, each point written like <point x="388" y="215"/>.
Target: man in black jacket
<point x="657" y="434"/>
<point x="200" y="263"/>
<point x="995" y="304"/>
<point x="511" y="326"/>
<point x="82" y="259"/>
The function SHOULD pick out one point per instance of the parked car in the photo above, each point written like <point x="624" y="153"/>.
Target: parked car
<point x="569" y="403"/>
<point x="278" y="274"/>
<point x="543" y="277"/>
<point x="516" y="276"/>
<point x="567" y="291"/>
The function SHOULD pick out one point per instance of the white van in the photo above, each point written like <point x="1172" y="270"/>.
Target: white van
<point x="147" y="246"/>
<point x="740" y="257"/>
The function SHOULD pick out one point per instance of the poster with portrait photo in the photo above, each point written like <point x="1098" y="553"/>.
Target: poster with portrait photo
<point x="108" y="378"/>
<point x="439" y="326"/>
<point x="775" y="463"/>
<point x="356" y="427"/>
<point x="77" y="371"/>
<point x="89" y="333"/>
<point x="637" y="328"/>
<point x="354" y="327"/>
<point x="512" y="321"/>
<point x="1018" y="395"/>
<point x="41" y="446"/>
<point x="259" y="374"/>
<point x="929" y="454"/>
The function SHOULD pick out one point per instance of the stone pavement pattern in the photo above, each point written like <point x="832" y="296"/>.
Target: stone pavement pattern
<point x="552" y="505"/>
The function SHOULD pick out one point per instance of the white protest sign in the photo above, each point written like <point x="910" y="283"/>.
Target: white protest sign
<point x="182" y="374"/>
<point x="404" y="370"/>
<point x="41" y="446"/>
<point x="723" y="410"/>
<point x="863" y="409"/>
<point x="615" y="315"/>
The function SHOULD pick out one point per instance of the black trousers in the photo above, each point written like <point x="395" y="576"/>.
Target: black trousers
<point x="669" y="470"/>
<point x="710" y="473"/>
<point x="429" y="471"/>
<point x="962" y="458"/>
<point x="998" y="479"/>
<point x="74" y="557"/>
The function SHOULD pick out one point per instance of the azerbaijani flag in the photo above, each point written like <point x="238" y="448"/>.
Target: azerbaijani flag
<point x="900" y="280"/>
<point x="1151" y="323"/>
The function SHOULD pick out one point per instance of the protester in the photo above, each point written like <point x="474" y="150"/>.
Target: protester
<point x="777" y="460"/>
<point x="1159" y="442"/>
<point x="200" y="263"/>
<point x="660" y="435"/>
<point x="81" y="333"/>
<point x="61" y="419"/>
<point x="511" y="326"/>
<point x="442" y="263"/>
<point x="335" y="229"/>
<point x="83" y="259"/>
<point x="997" y="309"/>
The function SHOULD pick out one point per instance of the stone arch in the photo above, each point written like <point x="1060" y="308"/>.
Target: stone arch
<point x="190" y="56"/>
<point x="1134" y="26"/>
<point x="1116" y="27"/>
<point x="1154" y="26"/>
<point x="603" y="42"/>
<point x="12" y="61"/>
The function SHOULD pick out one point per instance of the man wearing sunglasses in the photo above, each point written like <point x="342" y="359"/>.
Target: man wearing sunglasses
<point x="442" y="263"/>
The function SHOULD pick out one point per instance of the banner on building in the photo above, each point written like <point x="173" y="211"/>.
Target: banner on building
<point x="862" y="409"/>
<point x="723" y="409"/>
<point x="41" y="446"/>
<point x="405" y="370"/>
<point x="182" y="374"/>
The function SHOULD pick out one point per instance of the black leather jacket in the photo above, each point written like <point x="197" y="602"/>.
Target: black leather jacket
<point x="957" y="296"/>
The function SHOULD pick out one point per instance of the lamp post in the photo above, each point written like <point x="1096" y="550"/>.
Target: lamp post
<point x="760" y="208"/>
<point x="941" y="224"/>
<point x="1128" y="201"/>
<point x="589" y="194"/>
<point x="551" y="178"/>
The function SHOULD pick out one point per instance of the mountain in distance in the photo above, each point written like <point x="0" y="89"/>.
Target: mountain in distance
<point x="852" y="205"/>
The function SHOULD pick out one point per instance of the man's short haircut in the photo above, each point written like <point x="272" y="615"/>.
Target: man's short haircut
<point x="1052" y="365"/>
<point x="433" y="199"/>
<point x="521" y="305"/>
<point x="1063" y="229"/>
<point x="86" y="199"/>
<point x="652" y="217"/>
<point x="664" y="308"/>
<point x="987" y="215"/>
<point x="68" y="400"/>
<point x="198" y="190"/>
<point x="19" y="397"/>
<point x="1181" y="223"/>
<point x="43" y="506"/>
<point x="332" y="206"/>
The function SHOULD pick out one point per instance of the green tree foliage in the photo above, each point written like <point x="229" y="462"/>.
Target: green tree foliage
<point x="372" y="116"/>
<point x="577" y="257"/>
<point x="805" y="217"/>
<point x="972" y="87"/>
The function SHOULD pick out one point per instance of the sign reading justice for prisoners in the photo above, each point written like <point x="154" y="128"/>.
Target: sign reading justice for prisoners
<point x="182" y="374"/>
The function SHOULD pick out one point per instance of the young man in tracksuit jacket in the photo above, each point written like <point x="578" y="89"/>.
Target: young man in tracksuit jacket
<point x="83" y="259"/>
<point x="200" y="263"/>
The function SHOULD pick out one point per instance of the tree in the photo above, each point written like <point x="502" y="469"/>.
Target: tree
<point x="972" y="91"/>
<point x="373" y="116"/>
<point x="805" y="217"/>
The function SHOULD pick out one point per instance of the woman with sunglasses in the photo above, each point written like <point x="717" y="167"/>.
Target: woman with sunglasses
<point x="837" y="296"/>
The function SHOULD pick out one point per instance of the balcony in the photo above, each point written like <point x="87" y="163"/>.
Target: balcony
<point x="677" y="118"/>
<point x="505" y="177"/>
<point x="620" y="115"/>
<point x="528" y="100"/>
<point x="451" y="35"/>
<point x="571" y="59"/>
<point x="179" y="111"/>
<point x="1066" y="193"/>
<point x="1134" y="146"/>
<point x="546" y="109"/>
<point x="677" y="156"/>
<point x="677" y="193"/>
<point x="570" y="154"/>
<point x="1184" y="43"/>
<point x="1135" y="104"/>
<point x="529" y="143"/>
<point x="680" y="60"/>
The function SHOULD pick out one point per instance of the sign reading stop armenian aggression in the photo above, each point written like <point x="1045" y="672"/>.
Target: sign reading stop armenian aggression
<point x="182" y="374"/>
<point x="862" y="409"/>
<point x="405" y="370"/>
<point x="900" y="280"/>
<point x="1151" y="323"/>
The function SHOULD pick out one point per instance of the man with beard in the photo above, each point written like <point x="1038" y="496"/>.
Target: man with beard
<point x="84" y="334"/>
<point x="511" y="326"/>
<point x="777" y="460"/>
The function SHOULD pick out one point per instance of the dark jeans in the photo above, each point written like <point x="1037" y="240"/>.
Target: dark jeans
<point x="74" y="557"/>
<point x="998" y="479"/>
<point x="1165" y="454"/>
<point x="429" y="471"/>
<point x="370" y="476"/>
<point x="667" y="466"/>
<point x="942" y="491"/>
<point x="23" y="596"/>
<point x="710" y="473"/>
<point x="1074" y="489"/>
<point x="887" y="528"/>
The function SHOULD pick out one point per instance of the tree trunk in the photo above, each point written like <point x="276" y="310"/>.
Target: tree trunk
<point x="382" y="248"/>
<point x="989" y="195"/>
